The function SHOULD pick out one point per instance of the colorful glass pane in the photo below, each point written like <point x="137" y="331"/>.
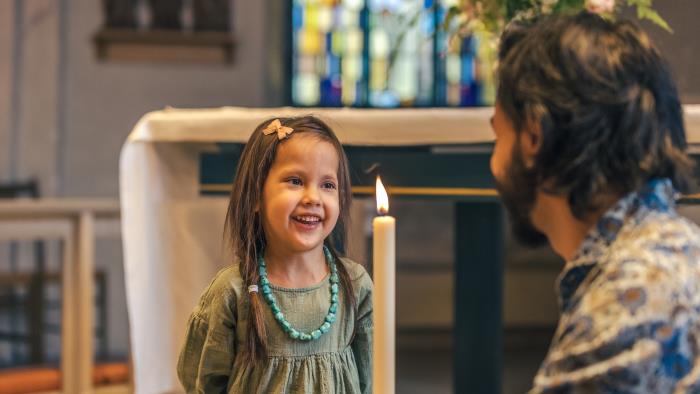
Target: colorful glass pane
<point x="385" y="53"/>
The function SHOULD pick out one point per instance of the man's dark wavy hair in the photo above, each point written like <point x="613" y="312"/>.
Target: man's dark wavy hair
<point x="605" y="100"/>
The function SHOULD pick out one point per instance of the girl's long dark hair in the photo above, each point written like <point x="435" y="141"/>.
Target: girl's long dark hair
<point x="244" y="231"/>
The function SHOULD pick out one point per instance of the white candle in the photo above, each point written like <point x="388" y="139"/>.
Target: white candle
<point x="384" y="263"/>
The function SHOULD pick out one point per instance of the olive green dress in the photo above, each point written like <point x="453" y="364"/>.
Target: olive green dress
<point x="331" y="364"/>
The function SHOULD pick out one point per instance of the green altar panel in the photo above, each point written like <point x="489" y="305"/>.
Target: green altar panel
<point x="478" y="276"/>
<point x="460" y="174"/>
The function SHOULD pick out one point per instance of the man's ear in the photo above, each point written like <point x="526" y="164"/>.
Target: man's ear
<point x="530" y="141"/>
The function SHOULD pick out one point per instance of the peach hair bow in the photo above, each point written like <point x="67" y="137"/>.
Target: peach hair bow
<point x="276" y="126"/>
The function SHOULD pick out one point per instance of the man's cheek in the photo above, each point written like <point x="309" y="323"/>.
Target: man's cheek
<point x="498" y="168"/>
<point x="495" y="166"/>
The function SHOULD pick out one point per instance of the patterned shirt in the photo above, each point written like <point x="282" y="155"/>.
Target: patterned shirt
<point x="630" y="303"/>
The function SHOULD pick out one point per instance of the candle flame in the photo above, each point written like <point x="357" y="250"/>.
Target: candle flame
<point x="382" y="198"/>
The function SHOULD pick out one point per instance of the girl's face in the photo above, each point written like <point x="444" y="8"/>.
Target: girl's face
<point x="300" y="203"/>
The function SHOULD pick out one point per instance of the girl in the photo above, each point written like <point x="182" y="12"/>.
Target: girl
<point x="292" y="316"/>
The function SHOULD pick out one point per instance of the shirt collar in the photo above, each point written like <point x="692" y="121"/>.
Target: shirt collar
<point x="655" y="195"/>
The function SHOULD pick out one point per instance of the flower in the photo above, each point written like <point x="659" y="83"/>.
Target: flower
<point x="467" y="16"/>
<point x="548" y="6"/>
<point x="600" y="6"/>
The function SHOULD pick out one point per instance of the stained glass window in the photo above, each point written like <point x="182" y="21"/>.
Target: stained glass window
<point x="385" y="53"/>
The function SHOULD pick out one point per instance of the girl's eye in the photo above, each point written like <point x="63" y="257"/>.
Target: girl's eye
<point x="329" y="185"/>
<point x="294" y="181"/>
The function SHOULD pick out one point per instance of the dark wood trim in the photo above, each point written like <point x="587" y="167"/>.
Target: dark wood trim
<point x="134" y="45"/>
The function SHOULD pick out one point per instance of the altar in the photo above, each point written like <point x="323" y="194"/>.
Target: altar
<point x="175" y="172"/>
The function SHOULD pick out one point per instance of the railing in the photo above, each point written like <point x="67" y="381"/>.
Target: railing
<point x="76" y="222"/>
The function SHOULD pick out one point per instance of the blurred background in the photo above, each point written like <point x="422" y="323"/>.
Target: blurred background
<point x="76" y="76"/>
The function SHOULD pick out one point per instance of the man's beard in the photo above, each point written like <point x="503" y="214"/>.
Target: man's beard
<point x="518" y="191"/>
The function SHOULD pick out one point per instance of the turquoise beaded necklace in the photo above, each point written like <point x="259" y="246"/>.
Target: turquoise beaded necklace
<point x="279" y="316"/>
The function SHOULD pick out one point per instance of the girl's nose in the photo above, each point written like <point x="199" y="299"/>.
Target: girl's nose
<point x="311" y="196"/>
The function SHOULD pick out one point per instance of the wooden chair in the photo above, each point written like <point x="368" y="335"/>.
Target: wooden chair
<point x="11" y="301"/>
<point x="22" y="295"/>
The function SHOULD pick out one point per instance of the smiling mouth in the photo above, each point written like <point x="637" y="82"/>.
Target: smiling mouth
<point x="308" y="220"/>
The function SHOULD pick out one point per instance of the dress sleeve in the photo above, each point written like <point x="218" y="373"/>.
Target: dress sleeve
<point x="624" y="335"/>
<point x="362" y="342"/>
<point x="208" y="353"/>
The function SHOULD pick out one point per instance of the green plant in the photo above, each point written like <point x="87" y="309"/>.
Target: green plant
<point x="491" y="16"/>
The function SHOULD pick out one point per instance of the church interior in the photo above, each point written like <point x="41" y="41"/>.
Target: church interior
<point x="94" y="96"/>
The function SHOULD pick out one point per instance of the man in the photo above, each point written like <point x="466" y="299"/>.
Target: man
<point x="590" y="153"/>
